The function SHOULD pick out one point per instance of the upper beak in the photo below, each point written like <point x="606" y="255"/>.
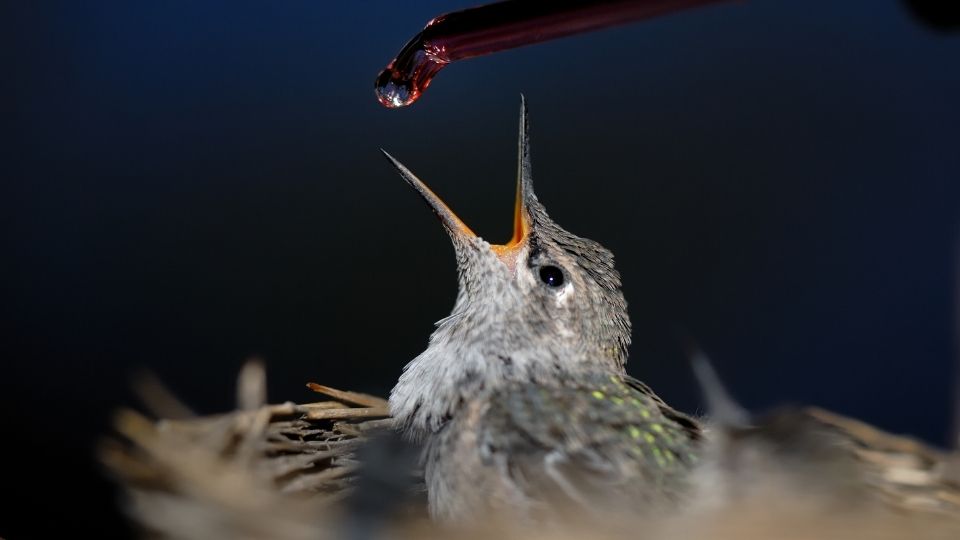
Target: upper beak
<point x="525" y="200"/>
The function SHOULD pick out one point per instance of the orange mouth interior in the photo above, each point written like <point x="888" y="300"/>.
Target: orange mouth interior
<point x="521" y="228"/>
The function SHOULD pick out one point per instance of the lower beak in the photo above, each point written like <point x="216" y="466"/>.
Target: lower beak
<point x="454" y="225"/>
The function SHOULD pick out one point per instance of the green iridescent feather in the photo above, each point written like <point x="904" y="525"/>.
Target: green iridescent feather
<point x="612" y="437"/>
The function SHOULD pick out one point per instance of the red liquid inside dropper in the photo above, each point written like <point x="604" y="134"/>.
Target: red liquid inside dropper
<point x="504" y="25"/>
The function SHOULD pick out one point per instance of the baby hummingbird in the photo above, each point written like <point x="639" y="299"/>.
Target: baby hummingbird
<point x="521" y="399"/>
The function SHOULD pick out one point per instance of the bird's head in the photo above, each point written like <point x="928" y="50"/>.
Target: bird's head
<point x="545" y="304"/>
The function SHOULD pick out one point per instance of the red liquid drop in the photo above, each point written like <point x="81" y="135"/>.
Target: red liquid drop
<point x="504" y="25"/>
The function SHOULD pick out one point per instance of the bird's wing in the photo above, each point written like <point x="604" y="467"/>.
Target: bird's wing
<point x="592" y="439"/>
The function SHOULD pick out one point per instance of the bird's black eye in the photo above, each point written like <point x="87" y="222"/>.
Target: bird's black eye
<point x="551" y="276"/>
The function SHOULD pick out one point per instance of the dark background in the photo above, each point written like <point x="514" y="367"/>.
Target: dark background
<point x="187" y="184"/>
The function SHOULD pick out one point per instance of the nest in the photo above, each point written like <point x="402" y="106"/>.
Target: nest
<point x="261" y="471"/>
<point x="291" y="471"/>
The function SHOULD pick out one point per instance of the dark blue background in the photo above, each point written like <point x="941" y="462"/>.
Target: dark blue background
<point x="187" y="184"/>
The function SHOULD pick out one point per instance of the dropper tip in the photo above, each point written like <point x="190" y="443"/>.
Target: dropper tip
<point x="392" y="95"/>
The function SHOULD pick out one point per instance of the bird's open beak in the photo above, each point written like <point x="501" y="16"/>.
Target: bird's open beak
<point x="457" y="228"/>
<point x="525" y="200"/>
